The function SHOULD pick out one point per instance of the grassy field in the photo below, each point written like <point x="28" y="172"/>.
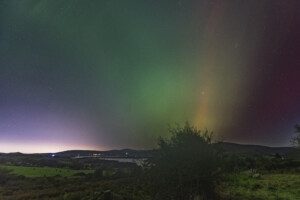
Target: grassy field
<point x="270" y="186"/>
<point x="43" y="171"/>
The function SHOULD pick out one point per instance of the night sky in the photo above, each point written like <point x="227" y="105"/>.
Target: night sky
<point x="104" y="74"/>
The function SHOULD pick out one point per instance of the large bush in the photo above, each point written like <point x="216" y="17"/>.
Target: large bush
<point x="185" y="166"/>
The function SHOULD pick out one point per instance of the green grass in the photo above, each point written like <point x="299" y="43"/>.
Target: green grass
<point x="43" y="171"/>
<point x="271" y="186"/>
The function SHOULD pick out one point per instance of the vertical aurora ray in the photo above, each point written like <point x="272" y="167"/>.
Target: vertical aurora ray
<point x="222" y="66"/>
<point x="233" y="62"/>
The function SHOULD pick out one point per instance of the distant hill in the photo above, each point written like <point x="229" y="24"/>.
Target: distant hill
<point x="241" y="149"/>
<point x="255" y="149"/>
<point x="123" y="153"/>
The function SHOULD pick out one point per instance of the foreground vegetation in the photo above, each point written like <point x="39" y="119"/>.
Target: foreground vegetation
<point x="270" y="186"/>
<point x="43" y="171"/>
<point x="238" y="186"/>
<point x="188" y="166"/>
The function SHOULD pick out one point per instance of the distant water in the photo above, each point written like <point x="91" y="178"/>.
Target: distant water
<point x="138" y="161"/>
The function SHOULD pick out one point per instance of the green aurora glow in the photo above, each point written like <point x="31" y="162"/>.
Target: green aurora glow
<point x="127" y="69"/>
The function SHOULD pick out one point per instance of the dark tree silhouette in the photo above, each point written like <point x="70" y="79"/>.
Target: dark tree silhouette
<point x="185" y="166"/>
<point x="296" y="139"/>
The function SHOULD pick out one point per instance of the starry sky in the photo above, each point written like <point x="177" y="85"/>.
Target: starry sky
<point x="105" y="74"/>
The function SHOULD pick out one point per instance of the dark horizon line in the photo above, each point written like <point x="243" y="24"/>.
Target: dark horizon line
<point x="123" y="149"/>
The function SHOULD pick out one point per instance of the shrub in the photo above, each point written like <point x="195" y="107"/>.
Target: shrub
<point x="186" y="166"/>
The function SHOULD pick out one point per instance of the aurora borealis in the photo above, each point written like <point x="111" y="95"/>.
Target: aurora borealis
<point x="113" y="74"/>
